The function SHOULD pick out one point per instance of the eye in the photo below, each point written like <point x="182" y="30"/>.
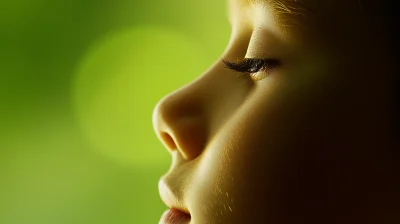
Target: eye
<point x="252" y="65"/>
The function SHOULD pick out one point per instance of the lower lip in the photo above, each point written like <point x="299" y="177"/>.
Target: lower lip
<point x="174" y="216"/>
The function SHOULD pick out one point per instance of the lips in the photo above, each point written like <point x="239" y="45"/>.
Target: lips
<point x="178" y="213"/>
<point x="174" y="216"/>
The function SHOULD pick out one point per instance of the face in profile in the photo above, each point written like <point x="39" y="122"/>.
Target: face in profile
<point x="289" y="127"/>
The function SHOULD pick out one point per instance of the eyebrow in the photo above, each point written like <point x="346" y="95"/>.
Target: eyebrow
<point x="284" y="6"/>
<point x="298" y="3"/>
<point x="288" y="11"/>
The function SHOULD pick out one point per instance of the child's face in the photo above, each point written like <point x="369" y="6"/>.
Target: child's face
<point x="292" y="144"/>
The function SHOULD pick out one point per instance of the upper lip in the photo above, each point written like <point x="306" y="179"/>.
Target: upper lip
<point x="173" y="199"/>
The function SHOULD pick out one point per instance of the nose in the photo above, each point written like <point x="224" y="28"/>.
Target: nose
<point x="188" y="118"/>
<point x="180" y="122"/>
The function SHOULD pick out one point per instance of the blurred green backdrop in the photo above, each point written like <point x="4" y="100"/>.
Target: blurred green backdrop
<point x="78" y="83"/>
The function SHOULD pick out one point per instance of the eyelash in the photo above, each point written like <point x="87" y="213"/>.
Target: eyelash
<point x="252" y="65"/>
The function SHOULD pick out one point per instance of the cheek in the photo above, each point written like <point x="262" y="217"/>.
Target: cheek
<point x="267" y="151"/>
<point x="241" y="173"/>
<point x="233" y="183"/>
<point x="278" y="154"/>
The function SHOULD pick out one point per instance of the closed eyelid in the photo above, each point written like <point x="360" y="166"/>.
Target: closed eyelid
<point x="252" y="65"/>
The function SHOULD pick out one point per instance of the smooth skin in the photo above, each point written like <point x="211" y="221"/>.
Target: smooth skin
<point x="307" y="142"/>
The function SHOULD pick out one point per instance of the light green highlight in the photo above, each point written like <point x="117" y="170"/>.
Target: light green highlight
<point x="118" y="84"/>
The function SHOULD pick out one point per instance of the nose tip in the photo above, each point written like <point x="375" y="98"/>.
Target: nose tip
<point x="180" y="125"/>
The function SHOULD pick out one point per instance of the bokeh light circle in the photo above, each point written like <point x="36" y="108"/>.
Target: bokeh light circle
<point x="120" y="80"/>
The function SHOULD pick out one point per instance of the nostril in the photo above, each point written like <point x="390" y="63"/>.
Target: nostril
<point x="168" y="141"/>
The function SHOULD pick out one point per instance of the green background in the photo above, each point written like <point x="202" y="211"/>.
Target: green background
<point x="78" y="83"/>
